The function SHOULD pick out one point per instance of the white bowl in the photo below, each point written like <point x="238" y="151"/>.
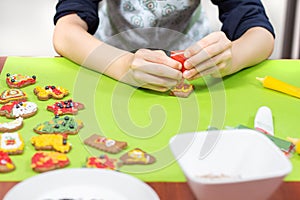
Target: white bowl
<point x="243" y="164"/>
<point x="82" y="183"/>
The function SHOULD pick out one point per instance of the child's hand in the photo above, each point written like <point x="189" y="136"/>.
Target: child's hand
<point x="210" y="55"/>
<point x="153" y="70"/>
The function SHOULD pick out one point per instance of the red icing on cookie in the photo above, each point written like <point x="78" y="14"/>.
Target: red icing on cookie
<point x="9" y="106"/>
<point x="45" y="161"/>
<point x="47" y="92"/>
<point x="65" y="107"/>
<point x="103" y="162"/>
<point x="4" y="158"/>
<point x="6" y="164"/>
<point x="13" y="94"/>
<point x="54" y="90"/>
<point x="18" y="80"/>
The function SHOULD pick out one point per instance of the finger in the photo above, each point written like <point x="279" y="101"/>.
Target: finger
<point x="161" y="71"/>
<point x="211" y="70"/>
<point x="215" y="61"/>
<point x="159" y="56"/>
<point x="208" y="40"/>
<point x="200" y="45"/>
<point x="156" y="88"/>
<point x="206" y="54"/>
<point x="200" y="68"/>
<point x="144" y="78"/>
<point x="223" y="71"/>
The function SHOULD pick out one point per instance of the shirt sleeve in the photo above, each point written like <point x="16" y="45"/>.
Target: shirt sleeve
<point x="87" y="10"/>
<point x="237" y="16"/>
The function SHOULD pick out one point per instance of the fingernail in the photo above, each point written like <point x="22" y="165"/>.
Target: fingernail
<point x="186" y="74"/>
<point x="179" y="66"/>
<point x="187" y="65"/>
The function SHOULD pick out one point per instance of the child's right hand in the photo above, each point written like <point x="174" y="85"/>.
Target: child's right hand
<point x="153" y="69"/>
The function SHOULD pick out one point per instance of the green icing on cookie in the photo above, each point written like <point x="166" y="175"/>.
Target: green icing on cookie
<point x="66" y="124"/>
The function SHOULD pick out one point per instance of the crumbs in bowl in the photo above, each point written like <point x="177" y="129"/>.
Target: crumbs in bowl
<point x="218" y="177"/>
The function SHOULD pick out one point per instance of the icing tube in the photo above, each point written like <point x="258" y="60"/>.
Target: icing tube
<point x="179" y="56"/>
<point x="280" y="86"/>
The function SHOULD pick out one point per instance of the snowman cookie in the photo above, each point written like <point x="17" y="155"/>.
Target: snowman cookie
<point x="17" y="109"/>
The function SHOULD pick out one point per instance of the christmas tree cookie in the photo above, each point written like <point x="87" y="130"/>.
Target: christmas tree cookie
<point x="59" y="125"/>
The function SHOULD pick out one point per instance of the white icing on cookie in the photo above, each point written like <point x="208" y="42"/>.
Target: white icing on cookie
<point x="12" y="93"/>
<point x="13" y="124"/>
<point x="5" y="137"/>
<point x="24" y="108"/>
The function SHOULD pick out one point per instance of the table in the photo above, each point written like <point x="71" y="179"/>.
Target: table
<point x="180" y="190"/>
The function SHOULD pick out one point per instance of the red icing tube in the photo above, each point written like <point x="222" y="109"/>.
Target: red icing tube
<point x="179" y="56"/>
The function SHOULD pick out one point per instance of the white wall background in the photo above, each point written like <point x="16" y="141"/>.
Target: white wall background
<point x="296" y="47"/>
<point x="26" y="26"/>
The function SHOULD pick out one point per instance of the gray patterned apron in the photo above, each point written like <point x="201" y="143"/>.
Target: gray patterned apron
<point x="161" y="24"/>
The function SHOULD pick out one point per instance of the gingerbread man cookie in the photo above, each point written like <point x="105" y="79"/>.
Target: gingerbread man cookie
<point x="12" y="95"/>
<point x="16" y="109"/>
<point x="19" y="80"/>
<point x="59" y="125"/>
<point x="65" y="107"/>
<point x="47" y="92"/>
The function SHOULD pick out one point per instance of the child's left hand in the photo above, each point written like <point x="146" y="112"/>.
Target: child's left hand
<point x="210" y="55"/>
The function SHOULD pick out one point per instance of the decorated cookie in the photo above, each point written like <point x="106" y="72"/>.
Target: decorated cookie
<point x="59" y="125"/>
<point x="12" y="95"/>
<point x="19" y="80"/>
<point x="11" y="126"/>
<point x="65" y="107"/>
<point x="56" y="142"/>
<point x="182" y="90"/>
<point x="47" y="92"/>
<point x="12" y="143"/>
<point x="50" y="160"/>
<point x="103" y="162"/>
<point x="16" y="109"/>
<point x="137" y="156"/>
<point x="105" y="144"/>
<point x="6" y="164"/>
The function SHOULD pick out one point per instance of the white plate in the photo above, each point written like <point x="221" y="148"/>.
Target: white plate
<point x="82" y="184"/>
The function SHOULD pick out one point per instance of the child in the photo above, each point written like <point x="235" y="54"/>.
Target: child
<point x="126" y="40"/>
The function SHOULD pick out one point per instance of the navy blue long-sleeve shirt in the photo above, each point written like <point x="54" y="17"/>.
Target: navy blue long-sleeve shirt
<point x="237" y="16"/>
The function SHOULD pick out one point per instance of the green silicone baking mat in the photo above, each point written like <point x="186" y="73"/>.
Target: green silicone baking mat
<point x="147" y="119"/>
